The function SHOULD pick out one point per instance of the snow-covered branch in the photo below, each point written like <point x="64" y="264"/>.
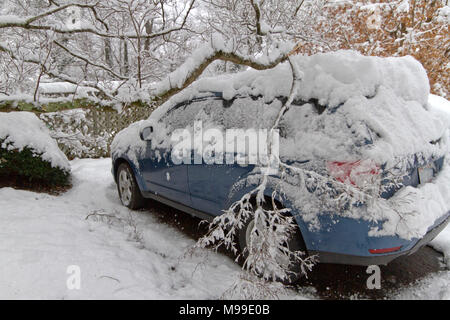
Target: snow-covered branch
<point x="28" y="23"/>
<point x="88" y="61"/>
<point x="53" y="74"/>
<point x="193" y="68"/>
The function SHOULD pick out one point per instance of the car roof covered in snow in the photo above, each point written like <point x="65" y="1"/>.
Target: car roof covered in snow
<point x="331" y="78"/>
<point x="383" y="100"/>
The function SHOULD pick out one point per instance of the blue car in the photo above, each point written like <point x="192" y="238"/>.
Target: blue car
<point x="144" y="167"/>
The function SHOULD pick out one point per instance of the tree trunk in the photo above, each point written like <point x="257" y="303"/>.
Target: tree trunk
<point x="126" y="63"/>
<point x="108" y="53"/>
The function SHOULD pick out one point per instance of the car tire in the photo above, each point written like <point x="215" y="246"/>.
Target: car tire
<point x="295" y="243"/>
<point x="129" y="192"/>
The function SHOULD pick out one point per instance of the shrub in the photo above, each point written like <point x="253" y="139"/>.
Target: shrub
<point x="29" y="157"/>
<point x="28" y="168"/>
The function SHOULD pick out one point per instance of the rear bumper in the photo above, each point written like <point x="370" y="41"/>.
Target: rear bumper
<point x="339" y="258"/>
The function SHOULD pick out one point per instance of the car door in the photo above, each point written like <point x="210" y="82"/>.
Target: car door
<point x="210" y="185"/>
<point x="163" y="177"/>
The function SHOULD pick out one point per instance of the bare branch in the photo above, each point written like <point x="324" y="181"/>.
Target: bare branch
<point x="87" y="60"/>
<point x="53" y="74"/>
<point x="27" y="24"/>
<point x="258" y="17"/>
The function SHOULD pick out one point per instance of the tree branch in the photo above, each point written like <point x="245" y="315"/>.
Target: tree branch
<point x="27" y="24"/>
<point x="87" y="60"/>
<point x="258" y="18"/>
<point x="167" y="89"/>
<point x="52" y="74"/>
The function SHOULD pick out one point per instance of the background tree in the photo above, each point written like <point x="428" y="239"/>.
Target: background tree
<point x="118" y="45"/>
<point x="419" y="28"/>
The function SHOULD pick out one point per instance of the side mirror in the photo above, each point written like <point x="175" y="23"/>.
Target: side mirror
<point x="146" y="133"/>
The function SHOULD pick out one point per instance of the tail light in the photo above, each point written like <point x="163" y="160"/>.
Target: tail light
<point x="363" y="174"/>
<point x="386" y="250"/>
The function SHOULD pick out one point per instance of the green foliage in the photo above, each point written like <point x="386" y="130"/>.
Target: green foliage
<point x="29" y="167"/>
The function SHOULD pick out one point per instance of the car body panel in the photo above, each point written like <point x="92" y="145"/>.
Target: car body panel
<point x="210" y="185"/>
<point x="162" y="176"/>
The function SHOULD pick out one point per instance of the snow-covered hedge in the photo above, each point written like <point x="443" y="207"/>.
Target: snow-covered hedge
<point x="27" y="151"/>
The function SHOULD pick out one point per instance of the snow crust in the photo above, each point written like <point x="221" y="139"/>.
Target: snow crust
<point x="441" y="107"/>
<point x="24" y="129"/>
<point x="412" y="211"/>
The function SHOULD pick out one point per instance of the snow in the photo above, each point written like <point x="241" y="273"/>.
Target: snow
<point x="332" y="78"/>
<point x="441" y="107"/>
<point x="12" y="19"/>
<point x="444" y="15"/>
<point x="123" y="255"/>
<point x="57" y="87"/>
<point x="24" y="129"/>
<point x="411" y="211"/>
<point x="385" y="96"/>
<point x="403" y="7"/>
<point x="442" y="242"/>
<point x="128" y="142"/>
<point x="436" y="286"/>
<point x="217" y="43"/>
<point x="43" y="235"/>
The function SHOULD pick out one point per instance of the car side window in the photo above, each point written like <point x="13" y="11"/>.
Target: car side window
<point x="238" y="113"/>
<point x="185" y="114"/>
<point x="246" y="113"/>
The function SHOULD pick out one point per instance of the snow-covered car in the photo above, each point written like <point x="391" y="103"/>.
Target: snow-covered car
<point x="366" y="177"/>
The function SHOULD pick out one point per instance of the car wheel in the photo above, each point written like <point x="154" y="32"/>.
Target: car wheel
<point x="129" y="192"/>
<point x="295" y="243"/>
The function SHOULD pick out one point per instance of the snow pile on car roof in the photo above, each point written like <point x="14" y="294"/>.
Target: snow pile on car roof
<point x="377" y="104"/>
<point x="332" y="78"/>
<point x="24" y="129"/>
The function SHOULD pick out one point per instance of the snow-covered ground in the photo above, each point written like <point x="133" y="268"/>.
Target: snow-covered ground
<point x="42" y="235"/>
